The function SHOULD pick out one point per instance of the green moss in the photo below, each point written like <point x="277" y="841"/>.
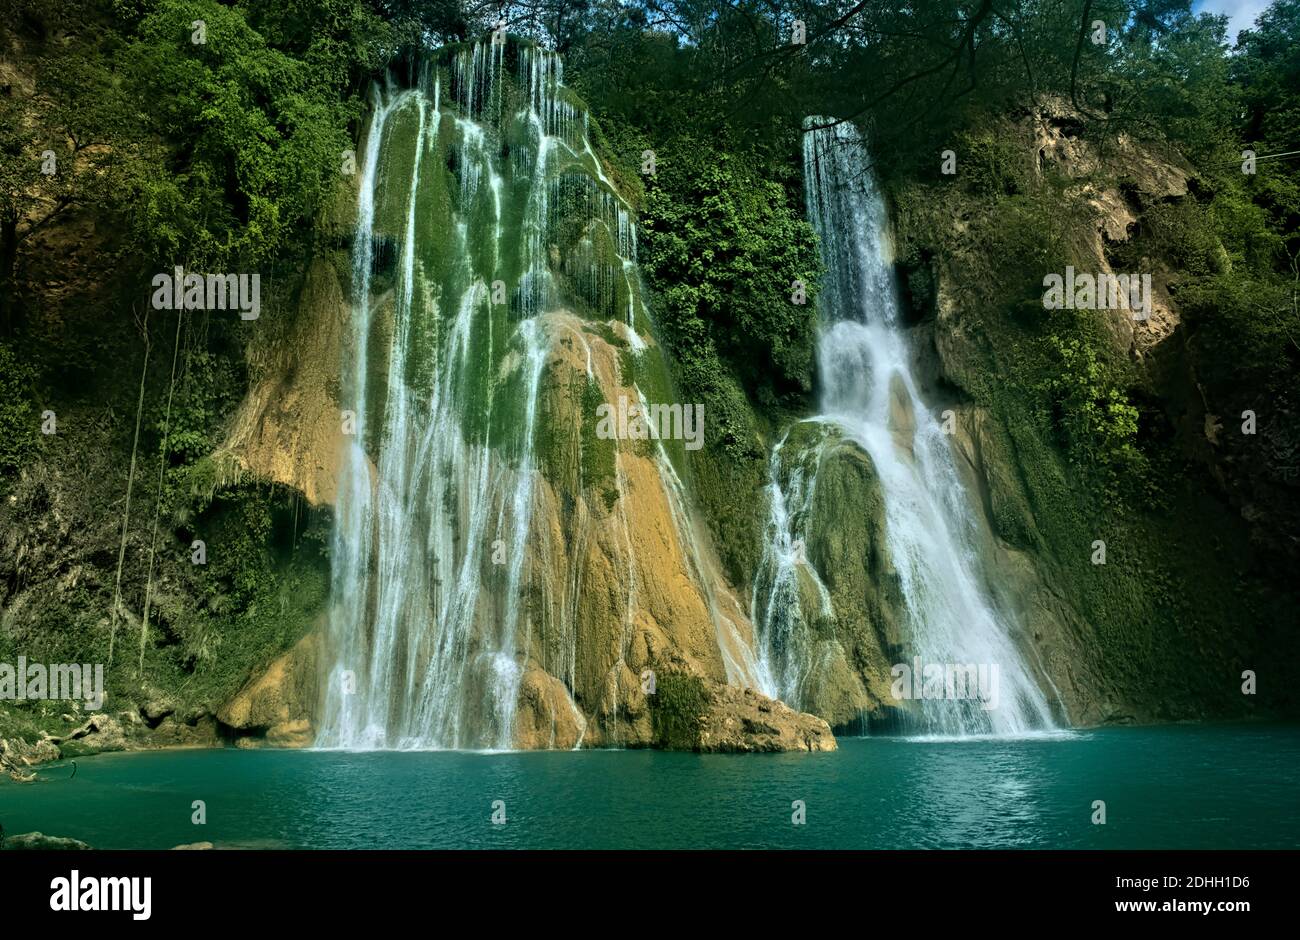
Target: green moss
<point x="598" y="455"/>
<point x="607" y="333"/>
<point x="396" y="166"/>
<point x="676" y="711"/>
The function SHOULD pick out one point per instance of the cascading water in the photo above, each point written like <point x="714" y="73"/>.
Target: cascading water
<point x="462" y="190"/>
<point x="485" y="222"/>
<point x="869" y="395"/>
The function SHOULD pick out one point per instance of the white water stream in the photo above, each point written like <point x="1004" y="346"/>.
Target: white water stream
<point x="869" y="393"/>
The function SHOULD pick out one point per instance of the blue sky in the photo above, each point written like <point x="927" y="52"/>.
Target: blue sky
<point x="1241" y="13"/>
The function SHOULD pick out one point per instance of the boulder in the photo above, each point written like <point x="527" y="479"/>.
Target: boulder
<point x="15" y="753"/>
<point x="100" y="732"/>
<point x="743" y="720"/>
<point x="546" y="717"/>
<point x="902" y="420"/>
<point x="694" y="714"/>
<point x="201" y="732"/>
<point x="39" y="841"/>
<point x="156" y="710"/>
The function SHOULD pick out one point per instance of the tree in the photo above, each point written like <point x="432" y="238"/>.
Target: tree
<point x="62" y="147"/>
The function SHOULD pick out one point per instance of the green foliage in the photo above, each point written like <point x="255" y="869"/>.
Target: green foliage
<point x="18" y="421"/>
<point x="1058" y="364"/>
<point x="1234" y="249"/>
<point x="206" y="392"/>
<point x="221" y="154"/>
<point x="619" y="154"/>
<point x="1180" y="232"/>
<point x="1247" y="332"/>
<point x="1267" y="70"/>
<point x="208" y="388"/>
<point x="991" y="164"/>
<point x="258" y="112"/>
<point x="244" y="563"/>
<point x="215" y="155"/>
<point x="1022" y="237"/>
<point x="66" y="146"/>
<point x="1099" y="423"/>
<point x="1165" y="77"/>
<point x="263" y="586"/>
<point x="724" y="249"/>
<point x="675" y="710"/>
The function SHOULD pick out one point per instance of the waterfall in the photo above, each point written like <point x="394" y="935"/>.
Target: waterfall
<point x="487" y="231"/>
<point x="466" y="178"/>
<point x="869" y="396"/>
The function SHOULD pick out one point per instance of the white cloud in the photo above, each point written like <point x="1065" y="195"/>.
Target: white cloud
<point x="1241" y="13"/>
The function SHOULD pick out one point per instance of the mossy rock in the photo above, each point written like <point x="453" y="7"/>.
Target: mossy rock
<point x="677" y="710"/>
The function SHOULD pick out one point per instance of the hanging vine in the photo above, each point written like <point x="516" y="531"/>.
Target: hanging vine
<point x="130" y="482"/>
<point x="158" y="500"/>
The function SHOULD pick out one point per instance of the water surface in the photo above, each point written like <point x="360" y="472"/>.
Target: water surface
<point x="1167" y="787"/>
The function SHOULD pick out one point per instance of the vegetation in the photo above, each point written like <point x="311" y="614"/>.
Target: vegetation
<point x="17" y="412"/>
<point x="131" y="141"/>
<point x="676" y="708"/>
<point x="154" y="143"/>
<point x="731" y="253"/>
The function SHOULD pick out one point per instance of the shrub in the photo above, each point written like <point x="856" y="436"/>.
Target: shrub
<point x="18" y="420"/>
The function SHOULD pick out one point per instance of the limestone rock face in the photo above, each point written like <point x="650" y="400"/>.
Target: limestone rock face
<point x="619" y="579"/>
<point x="1152" y="178"/>
<point x="1018" y="564"/>
<point x="289" y="428"/>
<point x="171" y="732"/>
<point x="902" y="422"/>
<point x="155" y="710"/>
<point x="621" y="583"/>
<point x="1091" y="633"/>
<point x="622" y="580"/>
<point x="17" y="755"/>
<point x="280" y="703"/>
<point x="1020" y="570"/>
<point x="102" y="732"/>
